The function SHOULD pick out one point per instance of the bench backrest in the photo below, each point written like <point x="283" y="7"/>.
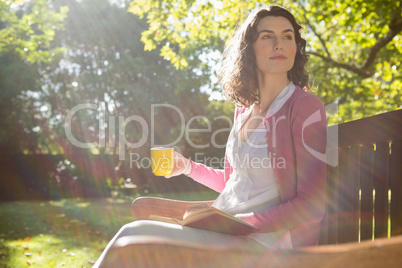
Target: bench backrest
<point x="365" y="188"/>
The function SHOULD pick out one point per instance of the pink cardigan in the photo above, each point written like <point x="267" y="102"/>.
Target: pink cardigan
<point x="296" y="130"/>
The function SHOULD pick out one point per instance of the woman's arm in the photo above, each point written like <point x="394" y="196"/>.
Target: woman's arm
<point x="212" y="178"/>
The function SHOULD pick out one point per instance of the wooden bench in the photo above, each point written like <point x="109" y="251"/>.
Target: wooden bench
<point x="365" y="189"/>
<point x="364" y="204"/>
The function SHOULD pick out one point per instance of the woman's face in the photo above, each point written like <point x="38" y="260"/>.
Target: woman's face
<point x="275" y="47"/>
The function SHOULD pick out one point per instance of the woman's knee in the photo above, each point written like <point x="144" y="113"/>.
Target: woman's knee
<point x="129" y="225"/>
<point x="137" y="224"/>
<point x="140" y="227"/>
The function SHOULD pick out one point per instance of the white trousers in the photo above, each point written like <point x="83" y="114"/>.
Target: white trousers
<point x="180" y="233"/>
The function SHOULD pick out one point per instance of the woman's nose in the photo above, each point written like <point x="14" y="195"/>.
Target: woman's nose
<point x="277" y="44"/>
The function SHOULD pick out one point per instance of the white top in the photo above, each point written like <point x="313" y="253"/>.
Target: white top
<point x="252" y="185"/>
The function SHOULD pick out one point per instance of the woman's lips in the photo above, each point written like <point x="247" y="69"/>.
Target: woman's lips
<point x="278" y="57"/>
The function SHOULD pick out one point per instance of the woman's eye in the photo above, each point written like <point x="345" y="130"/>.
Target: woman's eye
<point x="289" y="37"/>
<point x="267" y="37"/>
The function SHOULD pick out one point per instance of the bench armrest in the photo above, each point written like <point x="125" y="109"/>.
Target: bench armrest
<point x="143" y="207"/>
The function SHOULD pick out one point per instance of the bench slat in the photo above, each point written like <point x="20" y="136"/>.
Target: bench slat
<point x="349" y="185"/>
<point x="367" y="186"/>
<point x="381" y="185"/>
<point x="326" y="221"/>
<point x="330" y="231"/>
<point x="378" y="128"/>
<point x="396" y="187"/>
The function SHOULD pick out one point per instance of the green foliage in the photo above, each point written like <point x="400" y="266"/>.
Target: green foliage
<point x="354" y="44"/>
<point x="103" y="63"/>
<point x="27" y="29"/>
<point x="26" y="33"/>
<point x="355" y="47"/>
<point x="16" y="79"/>
<point x="187" y="29"/>
<point x="106" y="64"/>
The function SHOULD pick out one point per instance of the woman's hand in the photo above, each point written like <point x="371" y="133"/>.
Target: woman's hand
<point x="182" y="165"/>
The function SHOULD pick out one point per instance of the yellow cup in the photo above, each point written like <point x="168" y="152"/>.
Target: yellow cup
<point x="162" y="161"/>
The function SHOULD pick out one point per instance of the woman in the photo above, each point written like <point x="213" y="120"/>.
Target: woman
<point x="271" y="177"/>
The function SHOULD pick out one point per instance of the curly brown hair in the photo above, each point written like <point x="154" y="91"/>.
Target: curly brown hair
<point x="238" y="75"/>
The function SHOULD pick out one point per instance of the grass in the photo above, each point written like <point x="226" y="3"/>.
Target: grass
<point x="64" y="233"/>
